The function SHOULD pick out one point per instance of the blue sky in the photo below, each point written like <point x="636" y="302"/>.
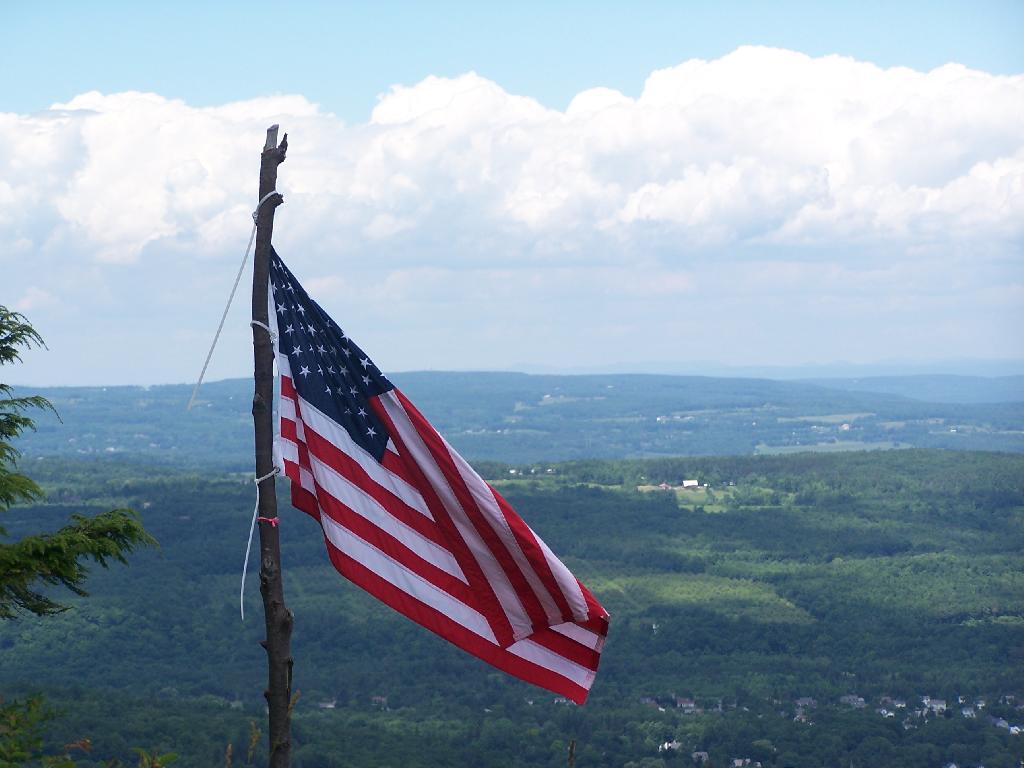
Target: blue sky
<point x="342" y="55"/>
<point x="549" y="186"/>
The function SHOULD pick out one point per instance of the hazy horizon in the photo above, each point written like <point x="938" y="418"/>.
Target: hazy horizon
<point x="981" y="369"/>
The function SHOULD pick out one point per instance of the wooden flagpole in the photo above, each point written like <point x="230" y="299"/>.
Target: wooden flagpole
<point x="278" y="618"/>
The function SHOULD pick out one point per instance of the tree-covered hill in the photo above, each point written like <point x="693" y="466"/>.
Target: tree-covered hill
<point x="519" y="417"/>
<point x="935" y="388"/>
<point x="886" y="576"/>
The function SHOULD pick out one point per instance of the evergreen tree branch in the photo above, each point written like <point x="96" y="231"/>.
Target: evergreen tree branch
<point x="31" y="563"/>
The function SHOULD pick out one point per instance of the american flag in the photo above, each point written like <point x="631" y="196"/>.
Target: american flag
<point x="408" y="520"/>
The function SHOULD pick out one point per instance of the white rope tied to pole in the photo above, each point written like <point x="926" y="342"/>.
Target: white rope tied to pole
<point x="252" y="527"/>
<point x="265" y="327"/>
<point x="231" y="297"/>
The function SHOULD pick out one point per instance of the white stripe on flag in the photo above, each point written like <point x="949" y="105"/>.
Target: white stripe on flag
<point x="489" y="509"/>
<point x="353" y="497"/>
<point x="503" y="590"/>
<point x="566" y="582"/>
<point x="581" y="635"/>
<point x="367" y="507"/>
<point x="290" y="453"/>
<point x="404" y="579"/>
<point x="423" y="591"/>
<point x="329" y="429"/>
<point x="545" y="657"/>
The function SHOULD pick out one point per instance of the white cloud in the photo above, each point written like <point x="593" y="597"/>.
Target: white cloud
<point x="760" y="145"/>
<point x="725" y="203"/>
<point x="765" y="169"/>
<point x="34" y="298"/>
<point x="324" y="287"/>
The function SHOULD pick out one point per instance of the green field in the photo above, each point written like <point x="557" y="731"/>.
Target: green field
<point x="836" y="447"/>
<point x="830" y="418"/>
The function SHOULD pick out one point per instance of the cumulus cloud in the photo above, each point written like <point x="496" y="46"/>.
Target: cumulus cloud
<point x="765" y="159"/>
<point x="762" y="145"/>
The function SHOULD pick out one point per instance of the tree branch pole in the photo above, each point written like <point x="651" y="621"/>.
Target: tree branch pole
<point x="278" y="617"/>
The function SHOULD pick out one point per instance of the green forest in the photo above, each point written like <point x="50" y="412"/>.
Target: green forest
<point x="768" y="616"/>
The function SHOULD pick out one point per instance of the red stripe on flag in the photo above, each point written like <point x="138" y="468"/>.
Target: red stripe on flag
<point x="567" y="648"/>
<point x="392" y="547"/>
<point x="289" y="431"/>
<point x="452" y="631"/>
<point x="345" y="466"/>
<point x="487" y="602"/>
<point x="596" y="610"/>
<point x="393" y="463"/>
<point x="534" y="554"/>
<point x="439" y="451"/>
<point x="302" y="500"/>
<point x="343" y="514"/>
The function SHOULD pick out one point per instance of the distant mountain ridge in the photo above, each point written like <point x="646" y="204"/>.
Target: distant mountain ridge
<point x="935" y="388"/>
<point x="982" y="368"/>
<point x="521" y="417"/>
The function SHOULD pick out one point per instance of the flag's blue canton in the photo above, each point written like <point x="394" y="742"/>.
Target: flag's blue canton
<point x="328" y="370"/>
